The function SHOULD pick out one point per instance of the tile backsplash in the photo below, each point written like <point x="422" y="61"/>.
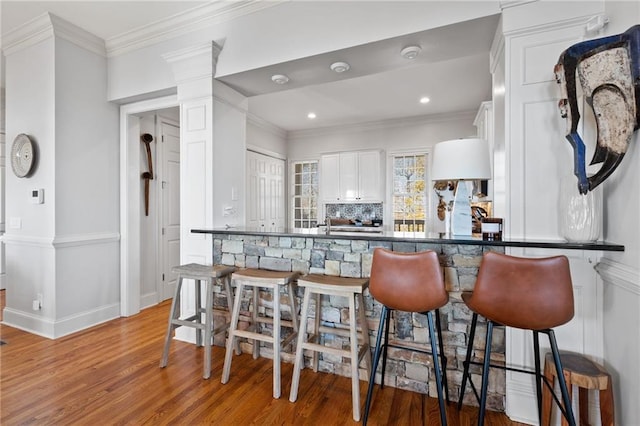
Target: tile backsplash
<point x="355" y="211"/>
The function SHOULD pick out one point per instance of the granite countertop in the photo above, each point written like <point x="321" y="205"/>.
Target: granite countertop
<point x="386" y="234"/>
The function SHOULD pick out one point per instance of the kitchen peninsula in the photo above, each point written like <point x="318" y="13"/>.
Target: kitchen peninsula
<point x="349" y="254"/>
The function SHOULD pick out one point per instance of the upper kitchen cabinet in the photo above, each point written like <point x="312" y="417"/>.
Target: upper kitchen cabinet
<point x="352" y="177"/>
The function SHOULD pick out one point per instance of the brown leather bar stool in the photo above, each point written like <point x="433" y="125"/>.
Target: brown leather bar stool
<point x="209" y="274"/>
<point x="528" y="293"/>
<point x="585" y="374"/>
<point x="409" y="282"/>
<point x="256" y="279"/>
<point x="351" y="288"/>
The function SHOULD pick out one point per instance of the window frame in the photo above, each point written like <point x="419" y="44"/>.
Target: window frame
<point x="311" y="221"/>
<point x="429" y="223"/>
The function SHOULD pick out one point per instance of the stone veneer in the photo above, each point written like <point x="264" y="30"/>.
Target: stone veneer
<point x="352" y="258"/>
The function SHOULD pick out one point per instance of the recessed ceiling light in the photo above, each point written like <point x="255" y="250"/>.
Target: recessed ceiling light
<point x="410" y="52"/>
<point x="280" y="79"/>
<point x="340" y="67"/>
<point x="311" y="115"/>
<point x="424" y="100"/>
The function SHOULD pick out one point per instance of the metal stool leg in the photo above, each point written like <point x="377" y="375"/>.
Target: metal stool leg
<point x="376" y="358"/>
<point x="566" y="399"/>
<point x="443" y="357"/>
<point x="386" y="345"/>
<point x="536" y="357"/>
<point x="485" y="373"/>
<point x="436" y="368"/>
<point x="465" y="374"/>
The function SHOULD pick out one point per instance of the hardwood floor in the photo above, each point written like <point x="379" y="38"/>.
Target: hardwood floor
<point x="109" y="374"/>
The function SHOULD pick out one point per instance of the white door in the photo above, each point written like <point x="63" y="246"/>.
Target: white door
<point x="266" y="196"/>
<point x="170" y="202"/>
<point x="276" y="195"/>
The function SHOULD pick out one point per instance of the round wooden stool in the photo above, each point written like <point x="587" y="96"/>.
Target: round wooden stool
<point x="580" y="371"/>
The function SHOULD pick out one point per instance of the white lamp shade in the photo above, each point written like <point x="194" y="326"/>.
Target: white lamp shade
<point x="461" y="159"/>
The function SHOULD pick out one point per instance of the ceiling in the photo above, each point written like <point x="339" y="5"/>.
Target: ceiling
<point x="452" y="69"/>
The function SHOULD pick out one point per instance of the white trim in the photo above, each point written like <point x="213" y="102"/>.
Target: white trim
<point x="150" y="299"/>
<point x="265" y="125"/>
<point x="198" y="18"/>
<point x="85" y="239"/>
<point x="54" y="329"/>
<point x="129" y="205"/>
<point x="268" y="153"/>
<point x="46" y="26"/>
<point x="619" y="275"/>
<point x="549" y="26"/>
<point x="25" y="240"/>
<point x="384" y="124"/>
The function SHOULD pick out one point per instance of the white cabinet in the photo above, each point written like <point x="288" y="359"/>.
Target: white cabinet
<point x="352" y="177"/>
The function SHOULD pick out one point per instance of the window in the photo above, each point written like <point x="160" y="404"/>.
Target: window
<point x="305" y="194"/>
<point x="409" y="193"/>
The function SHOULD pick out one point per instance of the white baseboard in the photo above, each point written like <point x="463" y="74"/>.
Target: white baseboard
<point x="51" y="329"/>
<point x="148" y="300"/>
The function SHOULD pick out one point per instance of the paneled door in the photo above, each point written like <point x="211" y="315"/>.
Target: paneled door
<point x="266" y="200"/>
<point x="170" y="202"/>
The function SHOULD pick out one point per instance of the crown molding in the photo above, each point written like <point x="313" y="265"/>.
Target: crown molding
<point x="384" y="124"/>
<point x="47" y="26"/>
<point x="198" y="18"/>
<point x="194" y="62"/>
<point x="265" y="125"/>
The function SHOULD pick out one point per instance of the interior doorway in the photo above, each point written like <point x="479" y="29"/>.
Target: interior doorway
<point x="142" y="260"/>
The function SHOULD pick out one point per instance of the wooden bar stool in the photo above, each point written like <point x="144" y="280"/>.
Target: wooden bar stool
<point x="198" y="273"/>
<point x="580" y="371"/>
<point x="528" y="293"/>
<point x="409" y="282"/>
<point x="351" y="288"/>
<point x="256" y="279"/>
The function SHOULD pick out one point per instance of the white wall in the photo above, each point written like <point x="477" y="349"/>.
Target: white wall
<point x="67" y="248"/>
<point x="621" y="271"/>
<point x="390" y="136"/>
<point x="266" y="138"/>
<point x="2" y="173"/>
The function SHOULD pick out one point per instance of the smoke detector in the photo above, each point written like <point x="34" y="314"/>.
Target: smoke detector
<point x="280" y="79"/>
<point x="410" y="52"/>
<point x="340" y="67"/>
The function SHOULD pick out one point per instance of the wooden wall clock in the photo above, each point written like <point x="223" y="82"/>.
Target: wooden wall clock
<point x="23" y="156"/>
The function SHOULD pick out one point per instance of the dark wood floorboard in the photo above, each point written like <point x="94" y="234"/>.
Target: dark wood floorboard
<point x="109" y="374"/>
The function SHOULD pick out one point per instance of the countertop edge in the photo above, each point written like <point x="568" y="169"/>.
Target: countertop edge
<point x="596" y="246"/>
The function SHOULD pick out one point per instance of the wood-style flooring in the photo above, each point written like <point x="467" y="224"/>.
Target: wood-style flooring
<point x="109" y="375"/>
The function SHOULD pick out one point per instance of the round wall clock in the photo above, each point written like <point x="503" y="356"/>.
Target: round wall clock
<point x="22" y="155"/>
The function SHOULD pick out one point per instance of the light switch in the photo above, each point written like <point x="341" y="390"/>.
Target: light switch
<point x="15" y="223"/>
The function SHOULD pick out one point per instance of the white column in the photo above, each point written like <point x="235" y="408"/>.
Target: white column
<point x="536" y="156"/>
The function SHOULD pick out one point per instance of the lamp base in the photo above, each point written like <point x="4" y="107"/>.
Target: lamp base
<point x="461" y="212"/>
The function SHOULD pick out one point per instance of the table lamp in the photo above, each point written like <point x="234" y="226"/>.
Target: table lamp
<point x="461" y="160"/>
